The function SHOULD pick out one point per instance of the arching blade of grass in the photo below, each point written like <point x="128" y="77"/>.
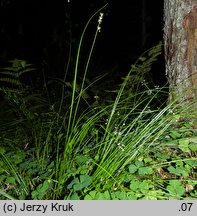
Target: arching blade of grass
<point x="76" y="133"/>
<point x="7" y="195"/>
<point x="74" y="107"/>
<point x="11" y="169"/>
<point x="127" y="138"/>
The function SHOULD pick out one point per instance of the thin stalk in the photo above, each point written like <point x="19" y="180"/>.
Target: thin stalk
<point x="70" y="119"/>
<point x="65" y="74"/>
<point x="15" y="172"/>
<point x="7" y="195"/>
<point x="84" y="77"/>
<point x="73" y="109"/>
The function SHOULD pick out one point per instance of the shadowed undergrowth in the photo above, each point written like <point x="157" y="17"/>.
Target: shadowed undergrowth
<point x="126" y="143"/>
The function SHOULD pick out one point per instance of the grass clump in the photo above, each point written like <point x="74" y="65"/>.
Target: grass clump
<point x="130" y="148"/>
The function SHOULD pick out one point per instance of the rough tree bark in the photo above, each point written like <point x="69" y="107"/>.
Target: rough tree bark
<point x="180" y="44"/>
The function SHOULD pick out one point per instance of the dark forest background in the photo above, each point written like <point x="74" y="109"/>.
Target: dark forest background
<point x="108" y="134"/>
<point x="41" y="32"/>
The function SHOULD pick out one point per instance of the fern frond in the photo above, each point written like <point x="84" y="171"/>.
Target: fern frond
<point x="10" y="81"/>
<point x="10" y="76"/>
<point x="8" y="73"/>
<point x="25" y="71"/>
<point x="13" y="90"/>
<point x="139" y="78"/>
<point x="146" y="60"/>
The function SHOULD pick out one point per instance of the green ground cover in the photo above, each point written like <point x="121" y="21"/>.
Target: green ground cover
<point x="125" y="143"/>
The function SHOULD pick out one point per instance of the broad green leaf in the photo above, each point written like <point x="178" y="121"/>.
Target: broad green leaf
<point x="2" y="150"/>
<point x="145" y="171"/>
<point x="162" y="155"/>
<point x="103" y="196"/>
<point x="139" y="163"/>
<point x="81" y="159"/>
<point x="81" y="182"/>
<point x="131" y="195"/>
<point x="41" y="190"/>
<point x="120" y="195"/>
<point x="179" y="171"/>
<point x="74" y="197"/>
<point x="193" y="147"/>
<point x="85" y="180"/>
<point x="132" y="168"/>
<point x="93" y="195"/>
<point x="183" y="144"/>
<point x="191" y="162"/>
<point x="145" y="186"/>
<point x="135" y="185"/>
<point x="151" y="195"/>
<point x="73" y="182"/>
<point x="11" y="180"/>
<point x="148" y="159"/>
<point x="175" y="188"/>
<point x="90" y="196"/>
<point x="174" y="134"/>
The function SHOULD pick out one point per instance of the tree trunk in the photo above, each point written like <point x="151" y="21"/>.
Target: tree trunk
<point x="180" y="44"/>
